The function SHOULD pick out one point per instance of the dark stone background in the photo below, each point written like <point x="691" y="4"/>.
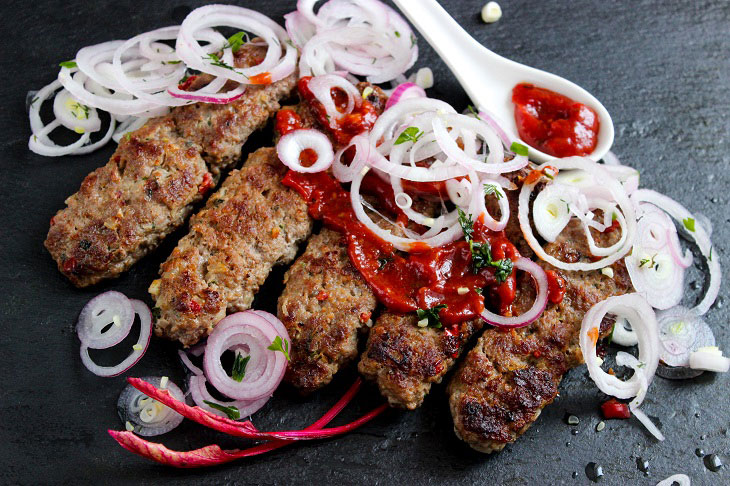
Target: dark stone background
<point x="662" y="68"/>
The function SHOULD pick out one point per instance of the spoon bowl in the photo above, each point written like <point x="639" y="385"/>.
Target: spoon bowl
<point x="488" y="78"/>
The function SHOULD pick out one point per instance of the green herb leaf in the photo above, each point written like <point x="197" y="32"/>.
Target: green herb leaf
<point x="710" y="256"/>
<point x="518" y="148"/>
<point x="432" y="315"/>
<point x="172" y="62"/>
<point x="689" y="223"/>
<point x="478" y="290"/>
<point x="236" y="41"/>
<point x="382" y="262"/>
<point x="649" y="263"/>
<point x="481" y="257"/>
<point x="239" y="367"/>
<point x="232" y="412"/>
<point x="281" y="346"/>
<point x="410" y="134"/>
<point x="492" y="189"/>
<point x="216" y="61"/>
<point x="128" y="136"/>
<point x="467" y="224"/>
<point x="474" y="112"/>
<point x="68" y="64"/>
<point x="397" y="34"/>
<point x="413" y="40"/>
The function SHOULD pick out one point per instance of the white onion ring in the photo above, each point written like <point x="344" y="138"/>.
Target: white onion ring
<point x="640" y="315"/>
<point x="147" y="416"/>
<point x="611" y="185"/>
<point x="145" y="317"/>
<point x="534" y="312"/>
<point x="265" y="368"/>
<point x="700" y="236"/>
<point x="291" y="145"/>
<point x="682" y="331"/>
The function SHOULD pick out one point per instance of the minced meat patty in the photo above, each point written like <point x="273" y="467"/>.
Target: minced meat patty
<point x="250" y="224"/>
<point x="324" y="304"/>
<point x="405" y="360"/>
<point x="325" y="300"/>
<point x="509" y="376"/>
<point x="149" y="186"/>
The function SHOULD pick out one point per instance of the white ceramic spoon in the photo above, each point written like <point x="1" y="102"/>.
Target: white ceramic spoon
<point x="488" y="78"/>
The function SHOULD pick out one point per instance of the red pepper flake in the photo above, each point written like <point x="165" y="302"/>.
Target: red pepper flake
<point x="262" y="78"/>
<point x="322" y="295"/>
<point x="69" y="265"/>
<point x="186" y="84"/>
<point x="613" y="409"/>
<point x="536" y="354"/>
<point x="53" y="220"/>
<point x="365" y="316"/>
<point x="194" y="307"/>
<point x="207" y="183"/>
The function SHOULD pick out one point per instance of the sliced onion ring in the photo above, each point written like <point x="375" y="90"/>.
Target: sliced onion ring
<point x="200" y="395"/>
<point x="682" y="331"/>
<point x="538" y="306"/>
<point x="147" y="416"/>
<point x="105" y="320"/>
<point x="291" y="146"/>
<point x="641" y="316"/>
<point x="145" y="317"/>
<point x="265" y="369"/>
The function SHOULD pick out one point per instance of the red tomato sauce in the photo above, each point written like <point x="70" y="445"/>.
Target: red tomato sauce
<point x="553" y="123"/>
<point x="422" y="279"/>
<point x="426" y="276"/>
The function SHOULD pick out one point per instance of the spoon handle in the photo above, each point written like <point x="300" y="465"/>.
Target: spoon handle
<point x="460" y="51"/>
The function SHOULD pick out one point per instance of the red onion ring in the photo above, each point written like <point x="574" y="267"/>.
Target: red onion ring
<point x="405" y="91"/>
<point x="265" y="368"/>
<point x="200" y="395"/>
<point x="105" y="320"/>
<point x="534" y="312"/>
<point x="682" y="331"/>
<point x="145" y="317"/>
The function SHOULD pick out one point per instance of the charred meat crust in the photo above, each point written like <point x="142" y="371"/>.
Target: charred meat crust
<point x="149" y="186"/>
<point x="324" y="304"/>
<point x="250" y="224"/>
<point x="506" y="380"/>
<point x="405" y="360"/>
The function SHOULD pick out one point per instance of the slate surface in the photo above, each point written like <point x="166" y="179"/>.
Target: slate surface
<point x="661" y="68"/>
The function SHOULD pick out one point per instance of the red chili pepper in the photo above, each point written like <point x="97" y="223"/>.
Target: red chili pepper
<point x="365" y="316"/>
<point x="613" y="409"/>
<point x="206" y="184"/>
<point x="322" y="295"/>
<point x="69" y="265"/>
<point x="186" y="84"/>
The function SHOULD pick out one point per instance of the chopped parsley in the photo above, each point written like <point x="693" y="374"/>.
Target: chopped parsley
<point x="397" y="34"/>
<point x="232" y="412"/>
<point x="413" y="40"/>
<point x="689" y="223"/>
<point x="78" y="107"/>
<point x="216" y="61"/>
<point x="518" y="148"/>
<point x="383" y="261"/>
<point x="128" y="136"/>
<point x="172" y="62"/>
<point x="430" y="317"/>
<point x="236" y="41"/>
<point x="68" y="64"/>
<point x="649" y="263"/>
<point x="710" y="256"/>
<point x="481" y="253"/>
<point x="281" y="346"/>
<point x="410" y="134"/>
<point x="239" y="367"/>
<point x="492" y="189"/>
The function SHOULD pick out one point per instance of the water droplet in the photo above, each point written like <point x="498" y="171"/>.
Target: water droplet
<point x="642" y="465"/>
<point x="713" y="462"/>
<point x="572" y="420"/>
<point x="575" y="474"/>
<point x="568" y="444"/>
<point x="594" y="472"/>
<point x="574" y="431"/>
<point x="601" y="425"/>
<point x="699" y="452"/>
<point x="714" y="199"/>
<point x="694" y="285"/>
<point x="697" y="414"/>
<point x="703" y="437"/>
